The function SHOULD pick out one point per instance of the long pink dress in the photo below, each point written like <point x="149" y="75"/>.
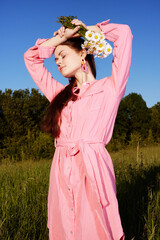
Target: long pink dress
<point x="82" y="201"/>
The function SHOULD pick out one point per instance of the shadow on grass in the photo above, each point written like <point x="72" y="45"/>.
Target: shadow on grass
<point x="133" y="196"/>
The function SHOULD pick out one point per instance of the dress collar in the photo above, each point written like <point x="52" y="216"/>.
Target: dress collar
<point x="87" y="89"/>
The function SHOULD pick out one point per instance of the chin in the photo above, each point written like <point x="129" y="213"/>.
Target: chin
<point x="67" y="75"/>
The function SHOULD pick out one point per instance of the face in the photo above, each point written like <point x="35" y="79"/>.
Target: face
<point x="67" y="60"/>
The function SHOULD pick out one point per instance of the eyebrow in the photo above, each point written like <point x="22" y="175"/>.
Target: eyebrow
<point x="59" y="54"/>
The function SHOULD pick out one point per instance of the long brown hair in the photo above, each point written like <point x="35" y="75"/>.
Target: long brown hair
<point x="52" y="120"/>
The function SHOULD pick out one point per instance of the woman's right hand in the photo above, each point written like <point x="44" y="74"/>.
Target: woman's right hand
<point x="62" y="34"/>
<point x="67" y="33"/>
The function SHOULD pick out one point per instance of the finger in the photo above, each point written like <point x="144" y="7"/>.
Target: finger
<point x="55" y="33"/>
<point x="62" y="30"/>
<point x="76" y="35"/>
<point x="78" y="22"/>
<point x="59" y="33"/>
<point x="84" y="25"/>
<point x="75" y="32"/>
<point x="76" y="29"/>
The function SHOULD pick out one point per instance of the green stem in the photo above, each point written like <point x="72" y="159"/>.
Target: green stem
<point x="66" y="22"/>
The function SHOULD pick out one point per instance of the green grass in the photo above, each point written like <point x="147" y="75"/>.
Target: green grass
<point x="24" y="190"/>
<point x="138" y="191"/>
<point x="23" y="198"/>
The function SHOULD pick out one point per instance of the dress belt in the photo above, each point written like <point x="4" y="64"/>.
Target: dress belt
<point x="77" y="146"/>
<point x="73" y="145"/>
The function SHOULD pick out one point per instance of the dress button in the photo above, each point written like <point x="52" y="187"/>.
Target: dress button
<point x="71" y="209"/>
<point x="71" y="232"/>
<point x="69" y="189"/>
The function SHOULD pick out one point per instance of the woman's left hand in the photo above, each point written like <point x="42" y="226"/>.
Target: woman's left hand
<point x="78" y="23"/>
<point x="93" y="28"/>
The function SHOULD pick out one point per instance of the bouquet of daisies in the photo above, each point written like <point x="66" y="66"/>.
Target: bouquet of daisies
<point x="95" y="43"/>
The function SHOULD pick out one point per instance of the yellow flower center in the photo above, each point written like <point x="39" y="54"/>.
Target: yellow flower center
<point x="100" y="45"/>
<point x="90" y="35"/>
<point x="96" y="37"/>
<point x="108" y="50"/>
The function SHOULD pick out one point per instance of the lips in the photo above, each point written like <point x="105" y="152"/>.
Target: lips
<point x="61" y="68"/>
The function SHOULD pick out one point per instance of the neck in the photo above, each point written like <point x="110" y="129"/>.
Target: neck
<point x="82" y="77"/>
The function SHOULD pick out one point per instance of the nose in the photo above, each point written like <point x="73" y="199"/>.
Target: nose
<point x="59" y="62"/>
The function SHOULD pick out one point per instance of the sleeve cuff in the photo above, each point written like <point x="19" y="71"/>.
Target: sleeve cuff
<point x="102" y="24"/>
<point x="44" y="51"/>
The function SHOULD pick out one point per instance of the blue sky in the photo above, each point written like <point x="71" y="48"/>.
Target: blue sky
<point x="23" y="22"/>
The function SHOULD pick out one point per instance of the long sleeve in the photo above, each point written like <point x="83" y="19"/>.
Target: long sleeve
<point x="121" y="37"/>
<point x="34" y="60"/>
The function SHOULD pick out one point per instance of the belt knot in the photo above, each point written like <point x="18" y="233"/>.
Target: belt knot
<point x="73" y="146"/>
<point x="73" y="149"/>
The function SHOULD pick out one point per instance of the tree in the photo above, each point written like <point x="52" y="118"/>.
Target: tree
<point x="155" y="122"/>
<point x="2" y="120"/>
<point x="133" y="118"/>
<point x="20" y="112"/>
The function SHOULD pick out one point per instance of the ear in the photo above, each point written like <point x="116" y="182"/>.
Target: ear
<point x="83" y="53"/>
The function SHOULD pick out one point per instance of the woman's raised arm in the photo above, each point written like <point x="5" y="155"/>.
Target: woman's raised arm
<point x="34" y="61"/>
<point x="121" y="36"/>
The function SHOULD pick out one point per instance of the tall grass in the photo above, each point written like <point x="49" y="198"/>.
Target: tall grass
<point x="24" y="189"/>
<point x="138" y="191"/>
<point x="23" y="198"/>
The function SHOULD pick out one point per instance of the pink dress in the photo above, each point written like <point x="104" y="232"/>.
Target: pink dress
<point x="82" y="201"/>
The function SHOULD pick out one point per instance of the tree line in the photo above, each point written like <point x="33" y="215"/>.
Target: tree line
<point x="21" y="113"/>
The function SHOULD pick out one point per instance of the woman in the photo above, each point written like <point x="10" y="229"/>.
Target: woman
<point x="82" y="201"/>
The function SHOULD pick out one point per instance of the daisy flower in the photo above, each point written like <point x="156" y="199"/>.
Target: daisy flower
<point x="100" y="46"/>
<point x="108" y="49"/>
<point x="96" y="37"/>
<point x="102" y="37"/>
<point x="85" y="44"/>
<point x="96" y="44"/>
<point x="89" y="35"/>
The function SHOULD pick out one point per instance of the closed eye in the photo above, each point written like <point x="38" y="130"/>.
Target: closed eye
<point x="62" y="56"/>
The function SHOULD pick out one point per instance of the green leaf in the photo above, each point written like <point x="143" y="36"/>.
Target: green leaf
<point x="66" y="22"/>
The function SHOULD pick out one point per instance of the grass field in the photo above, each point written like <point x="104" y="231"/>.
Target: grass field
<point x="24" y="189"/>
